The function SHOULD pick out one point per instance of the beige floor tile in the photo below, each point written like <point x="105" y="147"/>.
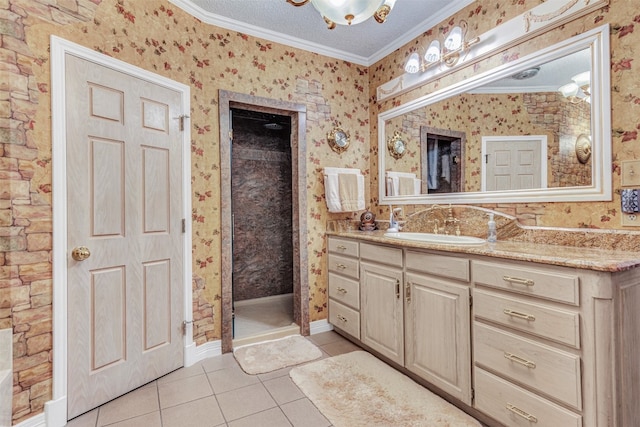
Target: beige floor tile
<point x="324" y="338"/>
<point x="85" y="420"/>
<point x="340" y="347"/>
<point x="284" y="372"/>
<point x="259" y="315"/>
<point x="138" y="402"/>
<point x="283" y="390"/>
<point x="203" y="412"/>
<point x="230" y="379"/>
<point x="245" y="401"/>
<point x="216" y="363"/>
<point x="148" y="420"/>
<point x="303" y="413"/>
<point x="184" y="390"/>
<point x="182" y="373"/>
<point x="269" y="418"/>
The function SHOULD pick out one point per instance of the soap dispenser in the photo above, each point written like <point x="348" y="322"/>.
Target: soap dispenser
<point x="492" y="235"/>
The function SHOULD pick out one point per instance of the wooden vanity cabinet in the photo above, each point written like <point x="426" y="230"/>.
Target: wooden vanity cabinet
<point x="381" y="300"/>
<point x="552" y="345"/>
<point x="344" y="285"/>
<point x="437" y="315"/>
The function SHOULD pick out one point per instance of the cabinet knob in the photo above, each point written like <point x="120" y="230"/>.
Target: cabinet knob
<point x="341" y="290"/>
<point x="342" y="318"/>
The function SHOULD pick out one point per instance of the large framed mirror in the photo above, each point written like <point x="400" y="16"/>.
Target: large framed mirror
<point x="513" y="134"/>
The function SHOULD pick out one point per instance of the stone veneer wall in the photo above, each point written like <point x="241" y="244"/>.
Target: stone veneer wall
<point x="262" y="206"/>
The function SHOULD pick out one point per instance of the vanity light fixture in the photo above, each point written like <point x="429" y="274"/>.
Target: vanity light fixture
<point x="347" y="12"/>
<point x="453" y="47"/>
<point x="579" y="90"/>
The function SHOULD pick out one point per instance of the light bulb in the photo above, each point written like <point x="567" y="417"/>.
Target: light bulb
<point x="413" y="64"/>
<point x="454" y="39"/>
<point x="433" y="52"/>
<point x="569" y="90"/>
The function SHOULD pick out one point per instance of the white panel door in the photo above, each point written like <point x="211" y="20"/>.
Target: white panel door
<point x="514" y="163"/>
<point x="125" y="301"/>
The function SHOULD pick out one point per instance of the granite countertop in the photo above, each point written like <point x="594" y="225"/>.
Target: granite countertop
<point x="568" y="256"/>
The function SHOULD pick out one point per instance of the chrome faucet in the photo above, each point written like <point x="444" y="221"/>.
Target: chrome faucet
<point x="393" y="222"/>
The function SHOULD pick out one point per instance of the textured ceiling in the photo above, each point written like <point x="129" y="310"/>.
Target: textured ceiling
<point x="303" y="27"/>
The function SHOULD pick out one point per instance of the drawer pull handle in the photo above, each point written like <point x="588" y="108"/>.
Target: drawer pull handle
<point x="341" y="266"/>
<point x="342" y="247"/>
<point x="527" y="416"/>
<point x="407" y="292"/>
<point x="398" y="288"/>
<point x="342" y="318"/>
<point x="524" y="362"/>
<point x="518" y="280"/>
<point x="341" y="290"/>
<point x="519" y="315"/>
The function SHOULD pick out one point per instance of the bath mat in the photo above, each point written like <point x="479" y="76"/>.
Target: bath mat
<point x="357" y="389"/>
<point x="277" y="354"/>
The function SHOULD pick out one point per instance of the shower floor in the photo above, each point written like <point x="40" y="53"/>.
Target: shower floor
<point x="263" y="318"/>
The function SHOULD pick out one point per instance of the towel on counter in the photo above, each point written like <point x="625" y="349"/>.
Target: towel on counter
<point x="445" y="160"/>
<point x="339" y="189"/>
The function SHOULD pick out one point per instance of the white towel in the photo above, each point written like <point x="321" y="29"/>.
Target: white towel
<point x="332" y="188"/>
<point x="393" y="184"/>
<point x="446" y="167"/>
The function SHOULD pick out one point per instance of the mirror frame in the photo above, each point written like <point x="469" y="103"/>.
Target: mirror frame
<point x="597" y="40"/>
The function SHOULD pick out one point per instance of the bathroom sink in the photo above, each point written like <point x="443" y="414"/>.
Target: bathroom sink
<point x="440" y="239"/>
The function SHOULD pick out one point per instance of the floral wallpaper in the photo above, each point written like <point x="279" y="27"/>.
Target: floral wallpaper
<point x="157" y="36"/>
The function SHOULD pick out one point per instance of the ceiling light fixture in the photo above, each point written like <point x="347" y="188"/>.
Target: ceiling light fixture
<point x="348" y="12"/>
<point x="453" y="47"/>
<point x="579" y="90"/>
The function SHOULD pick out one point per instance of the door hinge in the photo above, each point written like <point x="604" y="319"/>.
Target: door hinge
<point x="184" y="225"/>
<point x="231" y="135"/>
<point x="184" y="326"/>
<point x="181" y="118"/>
<point x="470" y="299"/>
<point x="473" y="394"/>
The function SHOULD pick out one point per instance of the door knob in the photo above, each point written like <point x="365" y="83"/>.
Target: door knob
<point x="80" y="253"/>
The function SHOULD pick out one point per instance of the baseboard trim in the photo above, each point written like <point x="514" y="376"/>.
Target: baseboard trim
<point x="36" y="421"/>
<point x="320" y="326"/>
<point x="194" y="354"/>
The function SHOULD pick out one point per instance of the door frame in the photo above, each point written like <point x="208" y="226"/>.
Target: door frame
<point x="298" y="114"/>
<point x="56" y="409"/>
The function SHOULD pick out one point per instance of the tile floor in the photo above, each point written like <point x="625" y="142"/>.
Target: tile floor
<point x="216" y="392"/>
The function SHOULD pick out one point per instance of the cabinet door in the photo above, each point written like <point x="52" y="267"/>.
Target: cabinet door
<point x="381" y="319"/>
<point x="437" y="333"/>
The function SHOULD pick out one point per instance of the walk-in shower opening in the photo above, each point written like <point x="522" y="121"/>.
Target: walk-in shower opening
<point x="262" y="223"/>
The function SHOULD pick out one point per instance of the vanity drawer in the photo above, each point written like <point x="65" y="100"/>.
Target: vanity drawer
<point x="343" y="265"/>
<point x="537" y="319"/>
<point x="381" y="254"/>
<point x="343" y="246"/>
<point x="445" y="266"/>
<point x="546" y="369"/>
<point x="345" y="290"/>
<point x="344" y="318"/>
<point x="540" y="282"/>
<point x="514" y="406"/>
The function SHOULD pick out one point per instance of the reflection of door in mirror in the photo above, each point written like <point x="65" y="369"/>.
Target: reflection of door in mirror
<point x="514" y="162"/>
<point x="441" y="160"/>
